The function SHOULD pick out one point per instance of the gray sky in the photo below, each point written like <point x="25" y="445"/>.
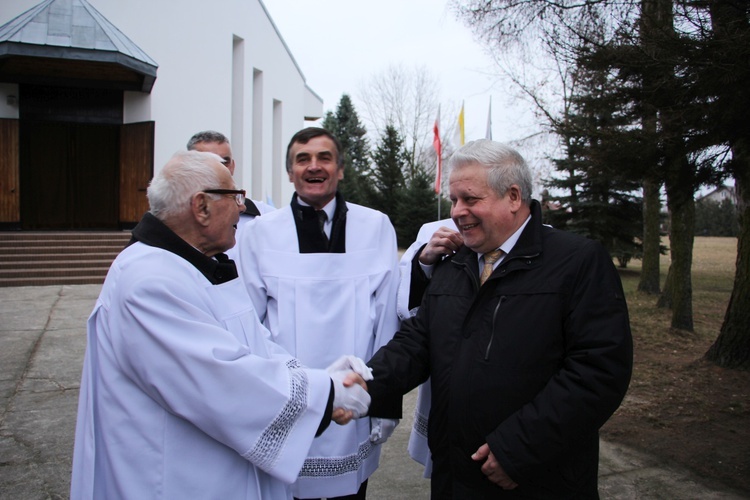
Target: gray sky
<point x="338" y="44"/>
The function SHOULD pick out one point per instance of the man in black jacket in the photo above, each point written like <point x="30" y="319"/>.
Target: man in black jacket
<point x="526" y="366"/>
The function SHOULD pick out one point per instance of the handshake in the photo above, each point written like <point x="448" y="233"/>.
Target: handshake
<point x="351" y="400"/>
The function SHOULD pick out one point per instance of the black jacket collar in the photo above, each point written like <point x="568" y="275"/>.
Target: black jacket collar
<point x="153" y="232"/>
<point x="251" y="210"/>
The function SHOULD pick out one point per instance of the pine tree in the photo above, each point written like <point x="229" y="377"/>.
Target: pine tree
<point x="601" y="148"/>
<point x="346" y="126"/>
<point x="415" y="207"/>
<point x="389" y="160"/>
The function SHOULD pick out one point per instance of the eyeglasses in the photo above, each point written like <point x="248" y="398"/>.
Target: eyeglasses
<point x="239" y="194"/>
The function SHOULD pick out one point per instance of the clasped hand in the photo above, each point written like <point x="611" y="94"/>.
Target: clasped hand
<point x="350" y="399"/>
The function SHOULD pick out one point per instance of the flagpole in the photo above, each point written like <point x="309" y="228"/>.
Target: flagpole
<point x="436" y="143"/>
<point x="488" y="134"/>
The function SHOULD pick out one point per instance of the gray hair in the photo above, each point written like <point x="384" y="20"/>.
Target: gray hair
<point x="186" y="173"/>
<point x="206" y="136"/>
<point x="505" y="166"/>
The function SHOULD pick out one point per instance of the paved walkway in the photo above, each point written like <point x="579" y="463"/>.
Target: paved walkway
<point x="42" y="342"/>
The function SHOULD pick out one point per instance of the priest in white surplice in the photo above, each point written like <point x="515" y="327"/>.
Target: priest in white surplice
<point x="323" y="276"/>
<point x="183" y="395"/>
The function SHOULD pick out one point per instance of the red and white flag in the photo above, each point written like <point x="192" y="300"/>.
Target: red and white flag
<point x="438" y="151"/>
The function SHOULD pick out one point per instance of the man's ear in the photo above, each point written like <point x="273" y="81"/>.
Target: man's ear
<point x="199" y="208"/>
<point x="514" y="197"/>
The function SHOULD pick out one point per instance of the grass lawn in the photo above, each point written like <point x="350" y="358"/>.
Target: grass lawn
<point x="679" y="406"/>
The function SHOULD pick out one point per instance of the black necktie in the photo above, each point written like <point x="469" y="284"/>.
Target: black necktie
<point x="322" y="218"/>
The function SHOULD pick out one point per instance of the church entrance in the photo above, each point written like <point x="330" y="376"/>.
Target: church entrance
<point x="69" y="175"/>
<point x="69" y="157"/>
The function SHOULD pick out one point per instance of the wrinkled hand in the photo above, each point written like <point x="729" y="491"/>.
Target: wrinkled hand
<point x="444" y="241"/>
<point x="348" y="363"/>
<point x="492" y="469"/>
<point x="350" y="398"/>
<point x="381" y="429"/>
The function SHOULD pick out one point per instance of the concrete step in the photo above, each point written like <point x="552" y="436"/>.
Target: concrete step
<point x="63" y="235"/>
<point x="51" y="280"/>
<point x="60" y="263"/>
<point x="31" y="258"/>
<point x="61" y="249"/>
<point x="56" y="272"/>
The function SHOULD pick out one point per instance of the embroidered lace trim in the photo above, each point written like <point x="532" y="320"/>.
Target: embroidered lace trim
<point x="267" y="449"/>
<point x="336" y="466"/>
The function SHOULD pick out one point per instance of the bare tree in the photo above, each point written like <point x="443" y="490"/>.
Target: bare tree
<point x="407" y="99"/>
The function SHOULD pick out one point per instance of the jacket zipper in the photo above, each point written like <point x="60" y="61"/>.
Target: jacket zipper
<point x="492" y="332"/>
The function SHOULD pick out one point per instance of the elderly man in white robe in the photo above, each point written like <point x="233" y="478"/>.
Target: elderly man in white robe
<point x="183" y="395"/>
<point x="323" y="276"/>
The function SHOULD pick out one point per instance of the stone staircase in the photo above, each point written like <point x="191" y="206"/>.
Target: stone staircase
<point x="29" y="258"/>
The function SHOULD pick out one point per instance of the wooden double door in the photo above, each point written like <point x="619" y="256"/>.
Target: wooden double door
<point x="65" y="175"/>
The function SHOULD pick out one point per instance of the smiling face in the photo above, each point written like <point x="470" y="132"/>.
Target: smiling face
<point x="484" y="219"/>
<point x="315" y="171"/>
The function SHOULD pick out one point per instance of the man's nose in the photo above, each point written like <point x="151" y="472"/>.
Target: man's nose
<point x="313" y="164"/>
<point x="458" y="209"/>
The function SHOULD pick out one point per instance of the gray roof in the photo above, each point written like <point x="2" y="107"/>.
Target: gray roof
<point x="71" y="29"/>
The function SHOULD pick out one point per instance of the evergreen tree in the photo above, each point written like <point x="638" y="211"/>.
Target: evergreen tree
<point x="346" y="126"/>
<point x="714" y="218"/>
<point x="601" y="148"/>
<point x="415" y="207"/>
<point x="389" y="161"/>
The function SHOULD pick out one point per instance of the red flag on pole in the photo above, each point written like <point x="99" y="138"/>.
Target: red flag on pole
<point x="438" y="151"/>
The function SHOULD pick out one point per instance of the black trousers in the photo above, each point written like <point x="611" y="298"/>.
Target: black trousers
<point x="359" y="495"/>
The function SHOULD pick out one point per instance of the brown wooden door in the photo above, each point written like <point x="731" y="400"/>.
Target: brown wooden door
<point x="10" y="208"/>
<point x="136" y="170"/>
<point x="94" y="176"/>
<point x="69" y="175"/>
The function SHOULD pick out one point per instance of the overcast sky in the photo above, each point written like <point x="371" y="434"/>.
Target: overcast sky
<point x="338" y="44"/>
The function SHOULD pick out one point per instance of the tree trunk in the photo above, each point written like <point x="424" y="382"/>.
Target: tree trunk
<point x="665" y="299"/>
<point x="655" y="21"/>
<point x="682" y="210"/>
<point x="649" y="281"/>
<point x="732" y="348"/>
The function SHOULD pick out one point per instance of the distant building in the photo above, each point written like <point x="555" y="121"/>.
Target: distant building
<point x="720" y="194"/>
<point x="97" y="94"/>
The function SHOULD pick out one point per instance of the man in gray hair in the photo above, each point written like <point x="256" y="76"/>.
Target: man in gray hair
<point x="210" y="141"/>
<point x="183" y="395"/>
<point x="524" y="335"/>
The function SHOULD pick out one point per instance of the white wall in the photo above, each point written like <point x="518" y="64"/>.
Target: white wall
<point x="193" y="43"/>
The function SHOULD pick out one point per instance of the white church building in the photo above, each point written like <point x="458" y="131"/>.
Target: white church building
<point x="96" y="95"/>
